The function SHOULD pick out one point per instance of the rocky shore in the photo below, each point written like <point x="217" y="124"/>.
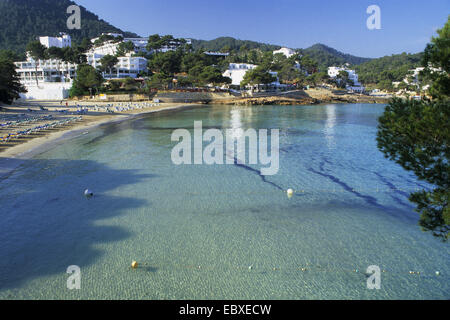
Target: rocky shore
<point x="301" y="97"/>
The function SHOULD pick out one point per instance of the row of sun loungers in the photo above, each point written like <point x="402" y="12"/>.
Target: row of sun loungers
<point x="81" y="110"/>
<point x="36" y="129"/>
<point x="121" y="107"/>
<point x="24" y="121"/>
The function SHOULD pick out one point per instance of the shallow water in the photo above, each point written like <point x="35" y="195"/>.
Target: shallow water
<point x="196" y="229"/>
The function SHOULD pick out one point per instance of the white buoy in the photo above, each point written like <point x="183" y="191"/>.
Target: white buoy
<point x="290" y="192"/>
<point x="438" y="273"/>
<point x="88" y="193"/>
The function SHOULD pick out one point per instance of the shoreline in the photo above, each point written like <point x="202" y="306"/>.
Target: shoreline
<point x="12" y="157"/>
<point x="313" y="96"/>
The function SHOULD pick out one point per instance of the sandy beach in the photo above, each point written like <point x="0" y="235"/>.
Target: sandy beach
<point x="25" y="147"/>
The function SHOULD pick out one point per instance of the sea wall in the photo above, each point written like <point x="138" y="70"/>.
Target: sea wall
<point x="205" y="97"/>
<point x="47" y="91"/>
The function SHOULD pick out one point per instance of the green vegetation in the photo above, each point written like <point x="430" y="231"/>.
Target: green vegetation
<point x="24" y="20"/>
<point x="328" y="57"/>
<point x="126" y="85"/>
<point x="156" y="42"/>
<point x="88" y="78"/>
<point x="74" y="54"/>
<point x="182" y="67"/>
<point x="383" y="71"/>
<point x="11" y="56"/>
<point x="257" y="76"/>
<point x="10" y="86"/>
<point x="124" y="48"/>
<point x="38" y="52"/>
<point x="107" y="63"/>
<point x="106" y="38"/>
<point x="416" y="134"/>
<point x="437" y="53"/>
<point x="228" y="44"/>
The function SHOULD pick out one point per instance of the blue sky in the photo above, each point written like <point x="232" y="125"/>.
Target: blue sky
<point x="406" y="25"/>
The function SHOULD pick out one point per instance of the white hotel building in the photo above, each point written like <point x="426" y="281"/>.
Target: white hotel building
<point x="333" y="72"/>
<point x="237" y="71"/>
<point x="55" y="76"/>
<point x="60" y="42"/>
<point x="127" y="66"/>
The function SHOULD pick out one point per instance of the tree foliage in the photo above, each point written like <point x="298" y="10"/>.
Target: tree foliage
<point x="328" y="57"/>
<point x="87" y="78"/>
<point x="10" y="86"/>
<point x="383" y="71"/>
<point x="75" y="54"/>
<point x="108" y="62"/>
<point x="10" y="56"/>
<point x="124" y="48"/>
<point x="259" y="75"/>
<point x="227" y="44"/>
<point x="23" y="20"/>
<point x="437" y="53"/>
<point x="416" y="134"/>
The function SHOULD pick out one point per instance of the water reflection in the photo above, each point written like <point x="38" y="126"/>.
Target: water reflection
<point x="330" y="124"/>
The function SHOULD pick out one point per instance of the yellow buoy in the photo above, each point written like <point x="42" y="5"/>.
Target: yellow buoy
<point x="134" y="264"/>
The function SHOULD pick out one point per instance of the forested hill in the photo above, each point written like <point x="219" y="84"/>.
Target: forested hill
<point x="229" y="43"/>
<point x="24" y="20"/>
<point x="327" y="57"/>
<point x="387" y="69"/>
<point x="322" y="54"/>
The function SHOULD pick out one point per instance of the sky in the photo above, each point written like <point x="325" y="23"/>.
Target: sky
<point x="406" y="25"/>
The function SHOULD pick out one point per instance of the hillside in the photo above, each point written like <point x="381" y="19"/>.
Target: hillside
<point x="24" y="20"/>
<point x="231" y="44"/>
<point x="324" y="55"/>
<point x="327" y="57"/>
<point x="387" y="69"/>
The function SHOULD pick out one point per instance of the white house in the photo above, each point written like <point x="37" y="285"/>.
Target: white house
<point x="286" y="51"/>
<point x="60" y="42"/>
<point x="333" y="72"/>
<point x="237" y="71"/>
<point x="217" y="54"/>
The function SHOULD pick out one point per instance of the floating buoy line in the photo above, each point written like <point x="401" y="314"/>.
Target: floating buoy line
<point x="301" y="269"/>
<point x="307" y="268"/>
<point x="291" y="192"/>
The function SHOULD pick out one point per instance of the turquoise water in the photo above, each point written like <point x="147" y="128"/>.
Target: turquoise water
<point x="196" y="229"/>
